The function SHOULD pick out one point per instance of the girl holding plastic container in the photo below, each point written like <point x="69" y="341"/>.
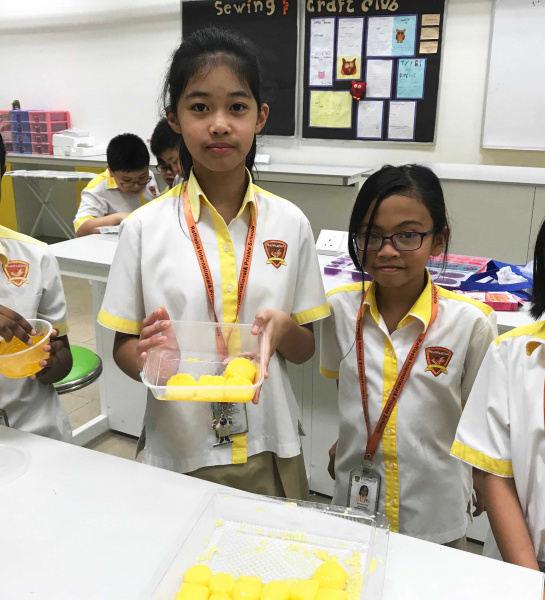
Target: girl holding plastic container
<point x="406" y="353"/>
<point x="258" y="252"/>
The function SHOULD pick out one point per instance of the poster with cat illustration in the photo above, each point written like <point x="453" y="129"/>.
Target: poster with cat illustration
<point x="369" y="73"/>
<point x="349" y="48"/>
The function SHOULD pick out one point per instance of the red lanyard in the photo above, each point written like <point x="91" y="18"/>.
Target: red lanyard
<point x="374" y="439"/>
<point x="203" y="262"/>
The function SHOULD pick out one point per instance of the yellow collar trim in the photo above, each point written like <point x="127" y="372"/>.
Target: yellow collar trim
<point x="110" y="181"/>
<point x="196" y="195"/>
<point x="537" y="340"/>
<point x="420" y="310"/>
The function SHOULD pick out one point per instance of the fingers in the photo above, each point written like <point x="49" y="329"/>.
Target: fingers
<point x="260" y="321"/>
<point x="255" y="399"/>
<point x="159" y="314"/>
<point x="13" y="325"/>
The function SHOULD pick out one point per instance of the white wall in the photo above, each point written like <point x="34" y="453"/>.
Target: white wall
<point x="106" y="66"/>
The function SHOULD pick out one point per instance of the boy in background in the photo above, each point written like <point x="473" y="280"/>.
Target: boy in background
<point x="165" y="145"/>
<point x="126" y="185"/>
<point x="31" y="288"/>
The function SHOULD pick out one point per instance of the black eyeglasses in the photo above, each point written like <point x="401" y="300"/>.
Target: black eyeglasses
<point x="405" y="241"/>
<point x="165" y="169"/>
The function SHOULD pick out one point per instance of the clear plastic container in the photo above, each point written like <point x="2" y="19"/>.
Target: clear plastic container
<point x="47" y="127"/>
<point x="276" y="539"/>
<point x="19" y="360"/>
<point x="198" y="349"/>
<point x="20" y="127"/>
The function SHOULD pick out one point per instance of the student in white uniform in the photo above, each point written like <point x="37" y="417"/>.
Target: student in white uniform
<point x="126" y="184"/>
<point x="213" y="99"/>
<point x="165" y="145"/>
<point x="31" y="288"/>
<point x="502" y="432"/>
<point x="405" y="353"/>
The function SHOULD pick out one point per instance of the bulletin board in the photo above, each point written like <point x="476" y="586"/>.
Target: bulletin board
<point x="272" y="26"/>
<point x="394" y="46"/>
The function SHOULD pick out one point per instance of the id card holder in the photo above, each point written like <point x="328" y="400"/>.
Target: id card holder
<point x="4" y="418"/>
<point x="235" y="410"/>
<point x="364" y="489"/>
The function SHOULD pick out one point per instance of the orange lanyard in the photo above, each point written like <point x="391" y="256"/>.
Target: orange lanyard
<point x="203" y="262"/>
<point x="374" y="439"/>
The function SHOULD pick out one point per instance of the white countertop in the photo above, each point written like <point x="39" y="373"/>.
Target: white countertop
<point x="489" y="173"/>
<point x="301" y="174"/>
<point x="91" y="257"/>
<point x="82" y="525"/>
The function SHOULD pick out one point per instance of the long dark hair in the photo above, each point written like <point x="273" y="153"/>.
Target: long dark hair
<point x="415" y="181"/>
<point x="538" y="290"/>
<point x="205" y="49"/>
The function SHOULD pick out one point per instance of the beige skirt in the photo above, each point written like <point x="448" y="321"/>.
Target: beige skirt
<point x="264" y="473"/>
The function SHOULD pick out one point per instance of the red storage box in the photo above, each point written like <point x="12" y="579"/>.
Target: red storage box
<point x="46" y="127"/>
<point x="42" y="148"/>
<point x="40" y="138"/>
<point x="5" y="116"/>
<point x="49" y="116"/>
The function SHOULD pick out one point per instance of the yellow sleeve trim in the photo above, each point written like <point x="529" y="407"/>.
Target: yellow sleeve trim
<point x="62" y="328"/>
<point x="118" y="324"/>
<point x="79" y="222"/>
<point x="329" y="374"/>
<point x="503" y="468"/>
<point x="313" y="314"/>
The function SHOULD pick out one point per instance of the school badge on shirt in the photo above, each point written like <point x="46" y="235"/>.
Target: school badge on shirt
<point x="16" y="271"/>
<point x="438" y="358"/>
<point x="276" y="252"/>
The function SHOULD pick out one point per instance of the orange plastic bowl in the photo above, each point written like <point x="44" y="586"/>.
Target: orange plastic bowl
<point x="18" y="360"/>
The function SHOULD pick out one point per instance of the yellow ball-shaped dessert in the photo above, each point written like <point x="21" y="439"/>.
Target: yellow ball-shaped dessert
<point x="211" y="381"/>
<point x="330" y="575"/>
<point x="199" y="574"/>
<point x="275" y="590"/>
<point x="180" y="380"/>
<point x="241" y="366"/>
<point x="221" y="583"/>
<point x="192" y="591"/>
<point x="239" y="395"/>
<point x="304" y="590"/>
<point x="247" y="588"/>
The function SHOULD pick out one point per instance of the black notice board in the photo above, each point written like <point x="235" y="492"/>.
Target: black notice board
<point x="419" y="21"/>
<point x="272" y="26"/>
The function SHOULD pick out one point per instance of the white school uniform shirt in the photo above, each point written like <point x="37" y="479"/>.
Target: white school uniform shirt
<point x="155" y="265"/>
<point x="502" y="430"/>
<point x="102" y="197"/>
<point x="424" y="492"/>
<point x="30" y="284"/>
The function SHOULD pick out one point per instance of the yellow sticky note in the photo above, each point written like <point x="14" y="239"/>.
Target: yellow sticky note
<point x="330" y="109"/>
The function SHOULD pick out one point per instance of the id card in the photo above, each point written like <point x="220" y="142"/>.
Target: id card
<point x="237" y="412"/>
<point x="364" y="489"/>
<point x="4" y="418"/>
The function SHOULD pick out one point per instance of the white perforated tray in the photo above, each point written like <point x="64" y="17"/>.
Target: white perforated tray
<point x="275" y="539"/>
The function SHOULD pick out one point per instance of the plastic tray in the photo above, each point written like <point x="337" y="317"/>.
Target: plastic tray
<point x="276" y="539"/>
<point x="203" y="349"/>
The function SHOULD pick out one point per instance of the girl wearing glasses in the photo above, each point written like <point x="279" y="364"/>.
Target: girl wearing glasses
<point x="405" y="353"/>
